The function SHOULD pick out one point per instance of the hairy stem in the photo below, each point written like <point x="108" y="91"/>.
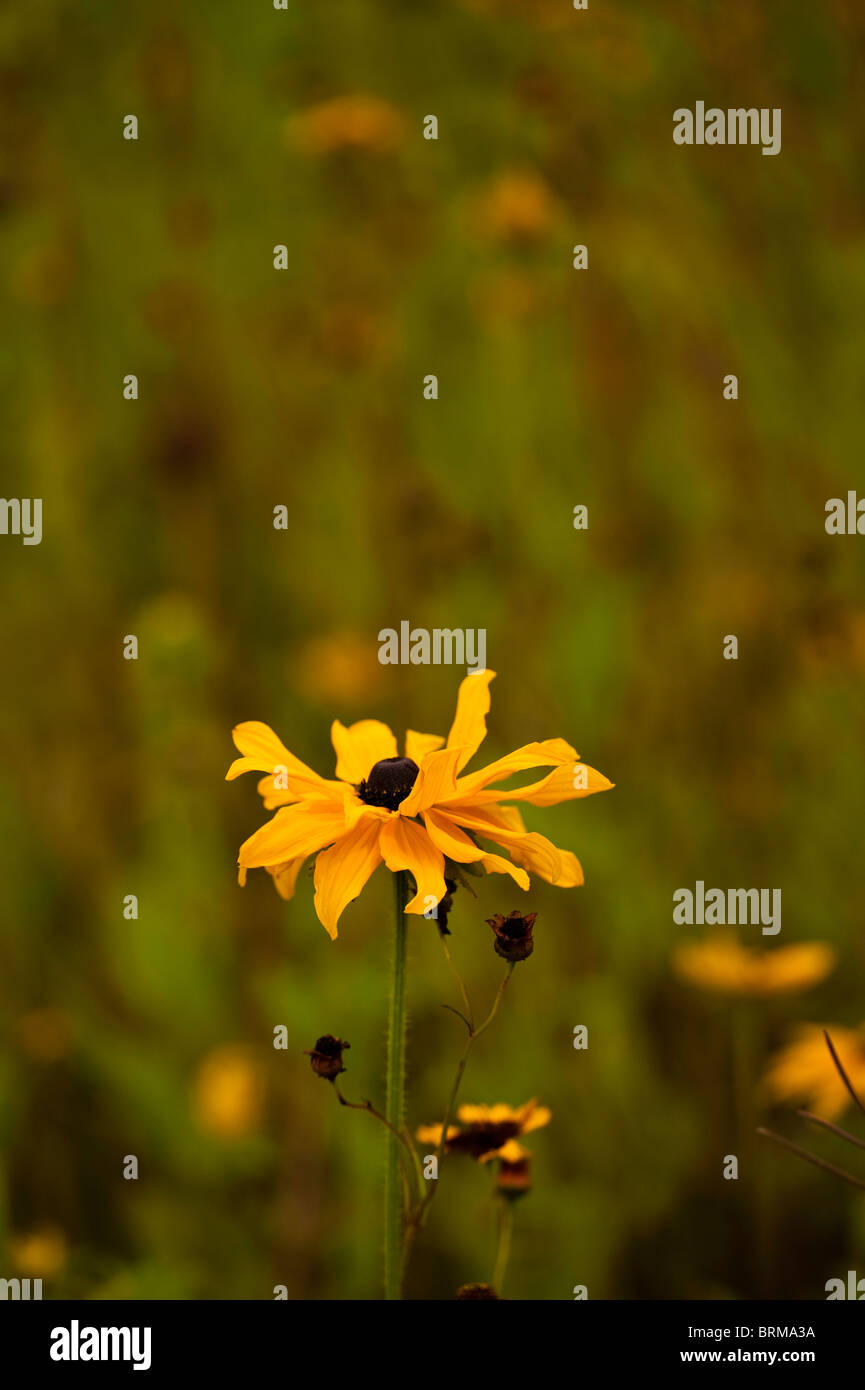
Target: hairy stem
<point x="395" y="1099"/>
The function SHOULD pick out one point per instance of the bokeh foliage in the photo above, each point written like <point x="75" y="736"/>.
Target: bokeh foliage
<point x="303" y="388"/>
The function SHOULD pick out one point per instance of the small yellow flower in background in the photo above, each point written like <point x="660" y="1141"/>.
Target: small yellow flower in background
<point x="45" y="1033"/>
<point x="38" y="1254"/>
<point x="489" y="1131"/>
<point x="517" y="207"/>
<point x="407" y="812"/>
<point x="804" y="1070"/>
<point x="357" y="122"/>
<point x="340" y="666"/>
<point x="228" y="1091"/>
<point x="724" y="966"/>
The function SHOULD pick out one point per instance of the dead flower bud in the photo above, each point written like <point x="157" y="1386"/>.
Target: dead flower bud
<point x="514" y="1178"/>
<point x="444" y="907"/>
<point x="326" y="1057"/>
<point x="514" y="940"/>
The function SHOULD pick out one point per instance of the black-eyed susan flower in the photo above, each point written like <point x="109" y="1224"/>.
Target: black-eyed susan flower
<point x="469" y="1292"/>
<point x="484" y="1131"/>
<point x="804" y="1069"/>
<point x="407" y="811"/>
<point x="722" y="965"/>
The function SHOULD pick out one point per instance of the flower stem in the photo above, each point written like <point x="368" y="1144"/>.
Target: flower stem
<point x="503" y="1249"/>
<point x="395" y="1098"/>
<point x="461" y="1066"/>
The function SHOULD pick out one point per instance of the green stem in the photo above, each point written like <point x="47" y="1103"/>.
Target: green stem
<point x="395" y="1099"/>
<point x="452" y="1098"/>
<point x="506" y="1222"/>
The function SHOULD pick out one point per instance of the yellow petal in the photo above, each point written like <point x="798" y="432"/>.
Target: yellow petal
<point x="469" y="728"/>
<point x="294" y="831"/>
<point x="272" y="793"/>
<point x="263" y="751"/>
<point x="571" y="873"/>
<point x="557" y="786"/>
<point x="418" y="745"/>
<point x="552" y="752"/>
<point x="495" y="864"/>
<point x="435" y="782"/>
<point x="406" y="845"/>
<point x="485" y="1114"/>
<point x="804" y="1069"/>
<point x="533" y="851"/>
<point x="360" y="746"/>
<point x="791" y="968"/>
<point x="431" y="1134"/>
<point x="511" y="1152"/>
<point x="452" y="841"/>
<point x="285" y="876"/>
<point x="537" y="1118"/>
<point x="341" y="872"/>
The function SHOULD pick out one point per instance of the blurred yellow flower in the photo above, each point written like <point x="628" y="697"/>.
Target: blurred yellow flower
<point x="489" y="1131"/>
<point x="45" y="1033"/>
<point x="804" y="1070"/>
<point x="721" y="964"/>
<point x="38" y="1254"/>
<point x="340" y="666"/>
<point x="227" y="1091"/>
<point x="349" y="122"/>
<point x="408" y="812"/>
<point x="517" y="207"/>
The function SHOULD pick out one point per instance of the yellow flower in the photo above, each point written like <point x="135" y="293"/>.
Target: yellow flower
<point x="348" y="122"/>
<point x="408" y="812"/>
<point x="517" y="208"/>
<point x="804" y="1070"/>
<point x="489" y="1131"/>
<point x="39" y="1254"/>
<point x="724" y="966"/>
<point x="228" y="1091"/>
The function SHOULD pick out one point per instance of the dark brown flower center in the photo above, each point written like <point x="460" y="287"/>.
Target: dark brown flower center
<point x="483" y="1138"/>
<point x="389" y="782"/>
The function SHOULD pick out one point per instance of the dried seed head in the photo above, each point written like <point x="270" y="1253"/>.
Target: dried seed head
<point x="514" y="939"/>
<point x="326" y="1057"/>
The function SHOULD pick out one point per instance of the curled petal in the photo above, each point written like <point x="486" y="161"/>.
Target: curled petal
<point x="285" y="876"/>
<point x="263" y="751"/>
<point x="565" y="783"/>
<point x="552" y="752"/>
<point x="435" y="782"/>
<point x="469" y="728"/>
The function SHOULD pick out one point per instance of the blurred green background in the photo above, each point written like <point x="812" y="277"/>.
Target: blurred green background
<point x="303" y="388"/>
